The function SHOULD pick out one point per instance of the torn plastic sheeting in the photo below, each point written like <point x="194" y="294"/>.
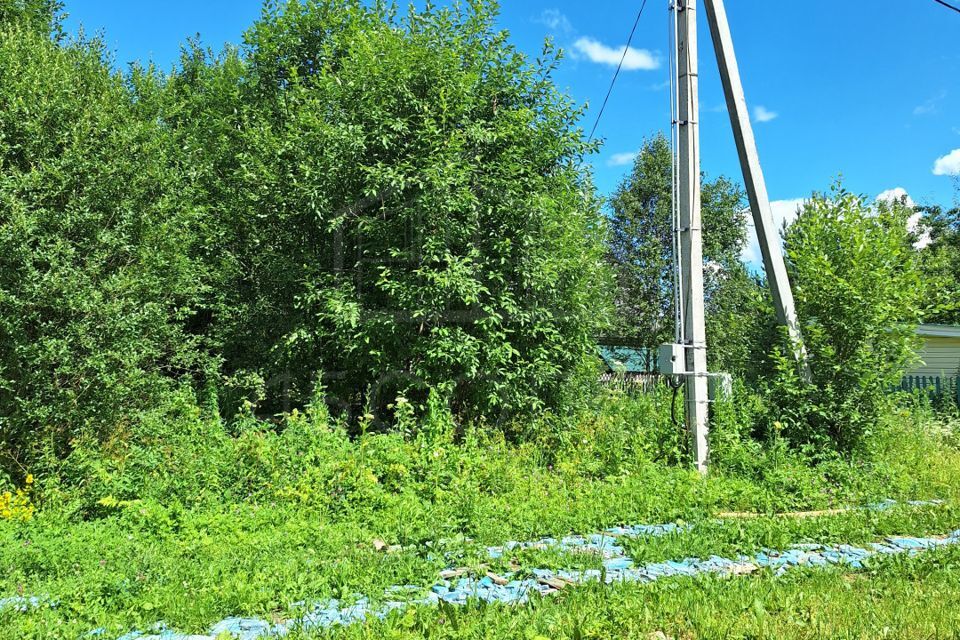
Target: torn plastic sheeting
<point x="23" y="604"/>
<point x="618" y="567"/>
<point x="245" y="628"/>
<point x="517" y="591"/>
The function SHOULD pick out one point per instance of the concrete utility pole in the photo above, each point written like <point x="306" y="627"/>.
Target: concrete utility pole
<point x="690" y="230"/>
<point x="689" y="358"/>
<point x="767" y="234"/>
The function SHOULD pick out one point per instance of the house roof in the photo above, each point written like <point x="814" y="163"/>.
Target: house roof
<point x="624" y="359"/>
<point x="939" y="330"/>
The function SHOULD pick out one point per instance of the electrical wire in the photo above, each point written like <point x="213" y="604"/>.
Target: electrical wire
<point x="675" y="383"/>
<point x="673" y="408"/>
<point x="626" y="50"/>
<point x="678" y="302"/>
<point x="948" y="5"/>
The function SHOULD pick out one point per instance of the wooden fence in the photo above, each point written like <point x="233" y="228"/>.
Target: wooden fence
<point x="940" y="388"/>
<point x="631" y="382"/>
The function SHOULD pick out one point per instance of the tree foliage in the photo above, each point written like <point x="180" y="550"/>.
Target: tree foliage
<point x="95" y="286"/>
<point x="940" y="259"/>
<point x="376" y="204"/>
<point x="641" y="255"/>
<point x="397" y="202"/>
<point x="42" y="17"/>
<point x="859" y="293"/>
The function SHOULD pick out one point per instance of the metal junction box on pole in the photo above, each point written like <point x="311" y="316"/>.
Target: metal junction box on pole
<point x="672" y="360"/>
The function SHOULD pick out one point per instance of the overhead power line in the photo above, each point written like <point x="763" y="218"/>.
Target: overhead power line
<point x="626" y="50"/>
<point x="948" y="5"/>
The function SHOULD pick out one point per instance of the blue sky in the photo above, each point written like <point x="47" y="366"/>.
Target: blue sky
<point x="866" y="91"/>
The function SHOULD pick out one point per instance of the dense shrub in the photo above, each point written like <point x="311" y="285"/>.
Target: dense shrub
<point x="39" y="16"/>
<point x="859" y="297"/>
<point x="397" y="202"/>
<point x="94" y="284"/>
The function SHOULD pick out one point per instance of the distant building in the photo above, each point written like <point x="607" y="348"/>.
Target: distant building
<point x="627" y="360"/>
<point x="938" y="372"/>
<point x="628" y="367"/>
<point x="940" y="352"/>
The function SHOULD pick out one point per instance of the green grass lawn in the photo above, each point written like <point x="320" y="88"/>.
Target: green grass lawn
<point x="114" y="575"/>
<point x="250" y="525"/>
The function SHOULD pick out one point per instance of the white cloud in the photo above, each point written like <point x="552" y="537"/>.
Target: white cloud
<point x="762" y="114"/>
<point x="783" y="212"/>
<point x="948" y="165"/>
<point x="913" y="226"/>
<point x="931" y="106"/>
<point x="554" y="20"/>
<point x="636" y="59"/>
<point x="897" y="194"/>
<point x="621" y="159"/>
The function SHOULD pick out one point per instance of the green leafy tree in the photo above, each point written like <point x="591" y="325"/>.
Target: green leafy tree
<point x="398" y="202"/>
<point x="43" y="17"/>
<point x="860" y="294"/>
<point x="940" y="259"/>
<point x="641" y="256"/>
<point x="95" y="289"/>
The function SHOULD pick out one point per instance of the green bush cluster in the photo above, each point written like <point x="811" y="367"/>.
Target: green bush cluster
<point x="399" y="202"/>
<point x="385" y="207"/>
<point x="178" y="456"/>
<point x="859" y="295"/>
<point x="435" y="470"/>
<point x="97" y="288"/>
